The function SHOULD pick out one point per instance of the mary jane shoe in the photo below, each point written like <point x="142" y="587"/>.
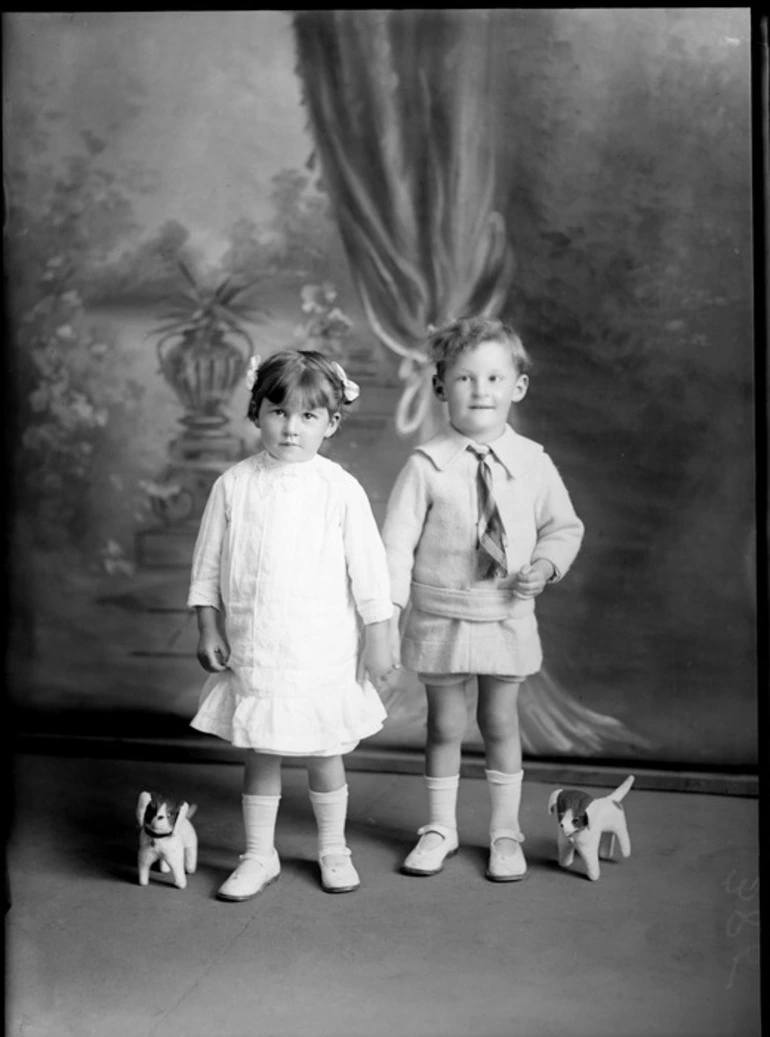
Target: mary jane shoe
<point x="508" y="866"/>
<point x="431" y="862"/>
<point x="251" y="876"/>
<point x="338" y="876"/>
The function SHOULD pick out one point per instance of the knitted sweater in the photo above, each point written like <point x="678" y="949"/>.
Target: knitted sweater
<point x="431" y="526"/>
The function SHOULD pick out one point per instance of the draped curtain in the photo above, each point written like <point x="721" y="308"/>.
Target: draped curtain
<point x="404" y="111"/>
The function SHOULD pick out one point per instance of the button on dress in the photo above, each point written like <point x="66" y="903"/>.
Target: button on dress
<point x="291" y="555"/>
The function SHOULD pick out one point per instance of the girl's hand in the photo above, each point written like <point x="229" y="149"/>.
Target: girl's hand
<point x="377" y="658"/>
<point x="213" y="651"/>
<point x="531" y="579"/>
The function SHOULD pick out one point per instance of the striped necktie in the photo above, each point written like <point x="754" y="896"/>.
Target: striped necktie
<point x="492" y="538"/>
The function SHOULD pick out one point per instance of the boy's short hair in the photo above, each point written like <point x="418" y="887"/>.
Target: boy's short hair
<point x="447" y="343"/>
<point x="298" y="372"/>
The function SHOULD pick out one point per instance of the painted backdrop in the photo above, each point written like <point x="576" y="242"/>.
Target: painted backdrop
<point x="584" y="173"/>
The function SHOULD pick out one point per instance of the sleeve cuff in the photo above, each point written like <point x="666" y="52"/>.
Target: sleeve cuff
<point x="375" y="612"/>
<point x="204" y="596"/>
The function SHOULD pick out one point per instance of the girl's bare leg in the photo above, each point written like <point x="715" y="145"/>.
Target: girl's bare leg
<point x="262" y="775"/>
<point x="325" y="773"/>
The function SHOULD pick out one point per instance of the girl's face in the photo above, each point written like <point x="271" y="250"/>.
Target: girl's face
<point x="479" y="388"/>
<point x="293" y="432"/>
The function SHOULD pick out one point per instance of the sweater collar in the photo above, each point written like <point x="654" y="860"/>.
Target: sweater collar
<point x="516" y="453"/>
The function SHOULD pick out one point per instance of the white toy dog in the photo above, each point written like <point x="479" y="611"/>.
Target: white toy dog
<point x="583" y="821"/>
<point x="167" y="836"/>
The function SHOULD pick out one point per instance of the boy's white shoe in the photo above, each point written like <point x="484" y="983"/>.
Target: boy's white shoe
<point x="423" y="861"/>
<point x="509" y="864"/>
<point x="337" y="872"/>
<point x="251" y="876"/>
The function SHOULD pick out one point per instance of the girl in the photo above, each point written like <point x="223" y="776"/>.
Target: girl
<point x="478" y="523"/>
<point x="287" y="558"/>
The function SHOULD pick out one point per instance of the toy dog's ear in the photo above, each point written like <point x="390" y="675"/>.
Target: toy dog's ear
<point x="552" y="800"/>
<point x="181" y="815"/>
<point x="141" y="807"/>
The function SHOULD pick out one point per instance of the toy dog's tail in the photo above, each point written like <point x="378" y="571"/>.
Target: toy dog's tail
<point x="622" y="790"/>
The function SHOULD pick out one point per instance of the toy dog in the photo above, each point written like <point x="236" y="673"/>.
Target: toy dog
<point x="167" y="836"/>
<point x="584" y="821"/>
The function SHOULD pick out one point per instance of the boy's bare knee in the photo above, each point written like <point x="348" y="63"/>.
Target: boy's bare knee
<point x="446" y="732"/>
<point x="497" y="728"/>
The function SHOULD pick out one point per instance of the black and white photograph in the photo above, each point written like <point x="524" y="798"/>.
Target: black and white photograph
<point x="382" y="573"/>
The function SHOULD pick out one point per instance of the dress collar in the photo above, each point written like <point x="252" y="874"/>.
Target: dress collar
<point x="266" y="460"/>
<point x="516" y="453"/>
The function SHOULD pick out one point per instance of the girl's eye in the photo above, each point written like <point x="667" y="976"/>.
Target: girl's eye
<point x="310" y="416"/>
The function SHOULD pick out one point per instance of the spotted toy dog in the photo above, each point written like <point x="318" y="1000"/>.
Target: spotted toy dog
<point x="584" y="821"/>
<point x="166" y="836"/>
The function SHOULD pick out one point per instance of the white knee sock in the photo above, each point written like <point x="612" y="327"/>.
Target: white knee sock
<point x="259" y="814"/>
<point x="442" y="800"/>
<point x="505" y="796"/>
<point x="331" y="810"/>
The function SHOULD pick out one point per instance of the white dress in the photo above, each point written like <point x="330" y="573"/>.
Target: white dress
<point x="291" y="555"/>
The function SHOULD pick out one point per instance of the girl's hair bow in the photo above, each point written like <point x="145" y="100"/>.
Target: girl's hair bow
<point x="351" y="390"/>
<point x="251" y="373"/>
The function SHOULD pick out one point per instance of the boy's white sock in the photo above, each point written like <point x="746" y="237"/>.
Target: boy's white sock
<point x="259" y="814"/>
<point x="505" y="796"/>
<point x="331" y="810"/>
<point x="442" y="800"/>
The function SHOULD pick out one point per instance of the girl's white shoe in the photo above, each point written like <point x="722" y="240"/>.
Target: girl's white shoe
<point x="430" y="862"/>
<point x="251" y="876"/>
<point x="337" y="872"/>
<point x="507" y="865"/>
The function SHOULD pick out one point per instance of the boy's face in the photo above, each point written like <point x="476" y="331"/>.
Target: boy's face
<point x="293" y="432"/>
<point x="479" y="388"/>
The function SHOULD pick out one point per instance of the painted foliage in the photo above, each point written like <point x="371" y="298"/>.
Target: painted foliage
<point x="585" y="174"/>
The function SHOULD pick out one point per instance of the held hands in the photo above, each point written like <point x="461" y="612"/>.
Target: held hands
<point x="380" y="658"/>
<point x="531" y="579"/>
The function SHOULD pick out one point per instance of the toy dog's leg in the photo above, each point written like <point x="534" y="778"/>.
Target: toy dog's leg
<point x="144" y="862"/>
<point x="164" y="866"/>
<point x="589" y="851"/>
<point x="566" y="851"/>
<point x="607" y="846"/>
<point x="191" y="853"/>
<point x="176" y="864"/>
<point x="623" y="838"/>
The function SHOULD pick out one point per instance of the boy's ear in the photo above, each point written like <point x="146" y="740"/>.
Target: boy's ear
<point x="438" y="388"/>
<point x="522" y="384"/>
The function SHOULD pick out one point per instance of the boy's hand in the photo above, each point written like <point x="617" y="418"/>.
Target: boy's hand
<point x="213" y="651"/>
<point x="379" y="665"/>
<point x="531" y="579"/>
<point x="394" y="636"/>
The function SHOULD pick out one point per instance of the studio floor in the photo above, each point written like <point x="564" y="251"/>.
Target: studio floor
<point x="665" y="944"/>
